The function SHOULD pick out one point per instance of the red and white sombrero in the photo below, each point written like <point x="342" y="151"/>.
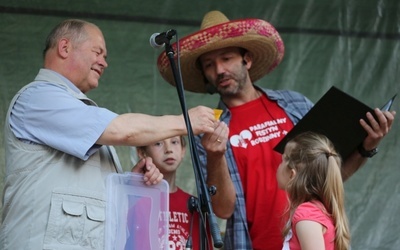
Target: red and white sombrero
<point x="257" y="36"/>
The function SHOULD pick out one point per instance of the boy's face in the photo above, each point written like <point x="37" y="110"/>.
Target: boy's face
<point x="167" y="155"/>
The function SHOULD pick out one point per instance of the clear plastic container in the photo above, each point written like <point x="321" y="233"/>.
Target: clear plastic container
<point x="136" y="214"/>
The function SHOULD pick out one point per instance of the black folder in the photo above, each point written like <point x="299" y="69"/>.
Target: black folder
<point x="336" y="115"/>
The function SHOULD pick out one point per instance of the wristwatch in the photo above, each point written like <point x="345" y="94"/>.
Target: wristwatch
<point x="366" y="153"/>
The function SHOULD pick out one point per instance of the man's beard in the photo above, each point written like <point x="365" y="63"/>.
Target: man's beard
<point x="239" y="81"/>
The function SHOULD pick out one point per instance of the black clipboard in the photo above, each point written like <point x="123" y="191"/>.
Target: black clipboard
<point x="336" y="115"/>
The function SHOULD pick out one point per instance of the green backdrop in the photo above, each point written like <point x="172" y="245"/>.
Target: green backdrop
<point x="353" y="45"/>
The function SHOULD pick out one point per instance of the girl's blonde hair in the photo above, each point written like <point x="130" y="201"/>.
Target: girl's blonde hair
<point x="318" y="177"/>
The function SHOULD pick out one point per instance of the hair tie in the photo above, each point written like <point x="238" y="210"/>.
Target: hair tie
<point x="327" y="154"/>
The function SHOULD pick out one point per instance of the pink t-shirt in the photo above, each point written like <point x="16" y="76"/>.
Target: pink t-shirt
<point x="313" y="211"/>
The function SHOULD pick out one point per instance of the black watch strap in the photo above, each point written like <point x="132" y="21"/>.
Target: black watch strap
<point x="367" y="153"/>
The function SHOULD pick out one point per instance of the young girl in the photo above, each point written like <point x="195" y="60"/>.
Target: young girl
<point x="310" y="172"/>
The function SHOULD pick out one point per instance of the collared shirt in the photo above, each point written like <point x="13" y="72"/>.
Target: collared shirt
<point x="237" y="234"/>
<point x="45" y="110"/>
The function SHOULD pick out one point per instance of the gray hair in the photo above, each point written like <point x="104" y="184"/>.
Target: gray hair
<point x="73" y="29"/>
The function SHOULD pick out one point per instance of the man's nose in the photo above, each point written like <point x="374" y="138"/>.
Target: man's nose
<point x="219" y="68"/>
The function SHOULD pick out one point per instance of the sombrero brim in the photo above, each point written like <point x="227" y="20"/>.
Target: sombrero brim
<point x="257" y="36"/>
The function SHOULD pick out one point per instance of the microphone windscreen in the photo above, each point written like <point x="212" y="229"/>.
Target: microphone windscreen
<point x="153" y="41"/>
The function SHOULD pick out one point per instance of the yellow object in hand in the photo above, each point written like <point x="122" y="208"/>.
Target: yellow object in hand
<point x="217" y="113"/>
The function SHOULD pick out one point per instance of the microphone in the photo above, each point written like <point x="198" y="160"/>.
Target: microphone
<point x="158" y="40"/>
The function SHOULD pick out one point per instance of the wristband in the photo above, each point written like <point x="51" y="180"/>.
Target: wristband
<point x="366" y="153"/>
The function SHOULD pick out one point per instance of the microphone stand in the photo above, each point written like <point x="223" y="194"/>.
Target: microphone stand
<point x="204" y="206"/>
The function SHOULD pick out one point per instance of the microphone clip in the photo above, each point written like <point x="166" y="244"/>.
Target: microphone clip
<point x="165" y="37"/>
<point x="169" y="34"/>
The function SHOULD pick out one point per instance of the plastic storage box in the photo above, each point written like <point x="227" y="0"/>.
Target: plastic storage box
<point x="136" y="214"/>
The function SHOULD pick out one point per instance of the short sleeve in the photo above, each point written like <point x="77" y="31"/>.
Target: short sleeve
<point x="312" y="212"/>
<point x="47" y="114"/>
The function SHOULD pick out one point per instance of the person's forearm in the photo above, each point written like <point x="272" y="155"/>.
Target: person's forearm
<point x="141" y="129"/>
<point x="354" y="162"/>
<point x="223" y="201"/>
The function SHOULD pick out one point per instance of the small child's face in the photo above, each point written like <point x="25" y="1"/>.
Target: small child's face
<point x="284" y="174"/>
<point x="167" y="155"/>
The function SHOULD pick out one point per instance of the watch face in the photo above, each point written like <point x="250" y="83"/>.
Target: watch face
<point x="373" y="152"/>
<point x="365" y="153"/>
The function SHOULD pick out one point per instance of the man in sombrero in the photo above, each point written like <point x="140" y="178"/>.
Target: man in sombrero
<point x="227" y="57"/>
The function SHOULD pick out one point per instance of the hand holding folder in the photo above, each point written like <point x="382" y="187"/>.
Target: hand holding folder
<point x="336" y="115"/>
<point x="388" y="105"/>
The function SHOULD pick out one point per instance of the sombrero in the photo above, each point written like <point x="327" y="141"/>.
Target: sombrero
<point x="257" y="36"/>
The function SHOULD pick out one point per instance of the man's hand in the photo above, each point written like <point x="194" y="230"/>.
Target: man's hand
<point x="215" y="143"/>
<point x="378" y="128"/>
<point x="217" y="170"/>
<point x="202" y="119"/>
<point x="152" y="175"/>
<point x="376" y="131"/>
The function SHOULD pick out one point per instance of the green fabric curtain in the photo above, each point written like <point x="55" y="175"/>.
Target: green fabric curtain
<point x="353" y="45"/>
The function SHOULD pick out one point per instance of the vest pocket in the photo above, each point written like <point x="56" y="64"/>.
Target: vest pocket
<point x="76" y="220"/>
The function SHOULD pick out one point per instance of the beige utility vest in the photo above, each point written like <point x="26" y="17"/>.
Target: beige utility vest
<point x="53" y="200"/>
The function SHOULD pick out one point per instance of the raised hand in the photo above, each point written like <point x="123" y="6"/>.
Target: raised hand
<point x="378" y="128"/>
<point x="152" y="175"/>
<point x="202" y="119"/>
<point x="215" y="142"/>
